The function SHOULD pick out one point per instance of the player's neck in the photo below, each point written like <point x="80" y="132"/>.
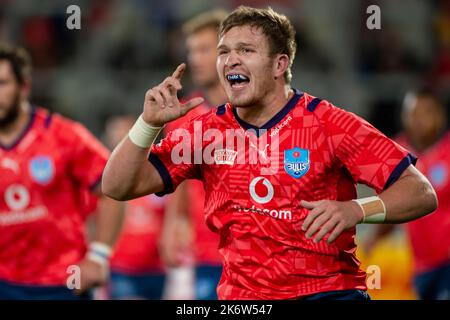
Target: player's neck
<point x="10" y="132"/>
<point x="260" y="114"/>
<point x="215" y="95"/>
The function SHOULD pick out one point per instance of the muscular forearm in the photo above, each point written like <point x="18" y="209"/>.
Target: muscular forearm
<point x="127" y="174"/>
<point x="95" y="266"/>
<point x="109" y="221"/>
<point x="409" y="198"/>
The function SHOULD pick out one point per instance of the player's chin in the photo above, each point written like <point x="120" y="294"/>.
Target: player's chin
<point x="240" y="101"/>
<point x="240" y="98"/>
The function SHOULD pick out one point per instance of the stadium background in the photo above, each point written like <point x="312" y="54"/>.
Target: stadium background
<point x="125" y="47"/>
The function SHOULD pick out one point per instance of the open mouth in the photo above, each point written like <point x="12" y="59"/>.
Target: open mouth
<point x="237" y="80"/>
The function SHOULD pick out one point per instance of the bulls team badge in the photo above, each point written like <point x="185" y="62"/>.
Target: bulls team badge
<point x="438" y="174"/>
<point x="42" y="169"/>
<point x="296" y="162"/>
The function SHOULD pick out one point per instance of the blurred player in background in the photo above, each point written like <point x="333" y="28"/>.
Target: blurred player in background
<point x="136" y="268"/>
<point x="201" y="43"/>
<point x="424" y="121"/>
<point x="286" y="222"/>
<point x="48" y="164"/>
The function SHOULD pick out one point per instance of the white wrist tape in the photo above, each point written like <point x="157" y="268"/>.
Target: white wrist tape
<point x="100" y="253"/>
<point x="142" y="134"/>
<point x="373" y="209"/>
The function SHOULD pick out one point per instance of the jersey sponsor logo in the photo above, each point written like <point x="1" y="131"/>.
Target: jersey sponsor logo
<point x="296" y="162"/>
<point x="42" y="169"/>
<point x="17" y="198"/>
<point x="280" y="126"/>
<point x="260" y="197"/>
<point x="262" y="191"/>
<point x="225" y="156"/>
<point x="438" y="174"/>
<point x="25" y="216"/>
<point x="274" y="213"/>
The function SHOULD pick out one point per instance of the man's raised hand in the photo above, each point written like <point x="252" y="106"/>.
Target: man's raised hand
<point x="161" y="104"/>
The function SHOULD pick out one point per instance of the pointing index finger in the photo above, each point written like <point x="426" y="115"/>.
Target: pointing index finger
<point x="178" y="73"/>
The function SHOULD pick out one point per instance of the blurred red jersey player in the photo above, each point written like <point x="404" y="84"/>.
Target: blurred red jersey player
<point x="201" y="44"/>
<point x="137" y="271"/>
<point x="424" y="121"/>
<point x="48" y="164"/>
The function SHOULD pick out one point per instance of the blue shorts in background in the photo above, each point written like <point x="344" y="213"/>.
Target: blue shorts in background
<point x="10" y="291"/>
<point x="434" y="284"/>
<point x="206" y="280"/>
<point x="143" y="286"/>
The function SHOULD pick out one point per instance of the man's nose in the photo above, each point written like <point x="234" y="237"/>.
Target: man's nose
<point x="232" y="59"/>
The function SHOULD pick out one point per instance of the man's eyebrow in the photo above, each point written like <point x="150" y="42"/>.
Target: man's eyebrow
<point x="245" y="44"/>
<point x="238" y="45"/>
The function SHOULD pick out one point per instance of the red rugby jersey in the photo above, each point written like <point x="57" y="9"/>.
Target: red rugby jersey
<point x="137" y="249"/>
<point x="44" y="177"/>
<point x="310" y="150"/>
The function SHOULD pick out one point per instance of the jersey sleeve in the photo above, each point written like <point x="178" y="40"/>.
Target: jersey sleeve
<point x="174" y="158"/>
<point x="89" y="157"/>
<point x="370" y="157"/>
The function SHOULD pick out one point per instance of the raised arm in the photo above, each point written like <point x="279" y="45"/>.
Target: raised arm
<point x="128" y="174"/>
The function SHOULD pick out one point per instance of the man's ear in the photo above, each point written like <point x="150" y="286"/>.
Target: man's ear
<point x="281" y="64"/>
<point x="25" y="89"/>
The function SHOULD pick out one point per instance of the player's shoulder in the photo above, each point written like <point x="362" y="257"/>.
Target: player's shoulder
<point x="54" y="120"/>
<point x="182" y="121"/>
<point x="212" y="117"/>
<point x="327" y="113"/>
<point x="48" y="122"/>
<point x="61" y="126"/>
<point x="215" y="113"/>
<point x="317" y="106"/>
<point x="42" y="116"/>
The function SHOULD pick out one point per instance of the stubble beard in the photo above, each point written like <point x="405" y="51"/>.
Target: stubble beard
<point x="12" y="114"/>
